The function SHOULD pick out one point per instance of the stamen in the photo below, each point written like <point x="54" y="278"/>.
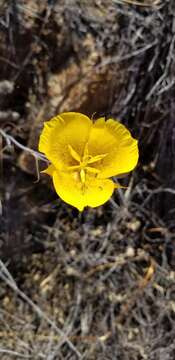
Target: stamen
<point x="82" y="175"/>
<point x="97" y="158"/>
<point x="74" y="154"/>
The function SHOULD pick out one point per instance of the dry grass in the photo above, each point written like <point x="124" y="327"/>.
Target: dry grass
<point x="100" y="284"/>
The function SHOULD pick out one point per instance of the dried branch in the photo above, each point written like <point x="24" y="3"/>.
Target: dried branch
<point x="10" y="140"/>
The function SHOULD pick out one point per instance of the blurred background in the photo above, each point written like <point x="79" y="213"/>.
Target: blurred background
<point x="100" y="284"/>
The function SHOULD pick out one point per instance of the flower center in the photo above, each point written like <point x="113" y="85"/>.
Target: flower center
<point x="84" y="162"/>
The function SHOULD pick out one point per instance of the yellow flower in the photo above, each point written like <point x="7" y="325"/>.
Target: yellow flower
<point x="84" y="155"/>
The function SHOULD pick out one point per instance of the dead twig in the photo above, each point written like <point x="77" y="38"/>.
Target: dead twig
<point x="138" y="3"/>
<point x="10" y="139"/>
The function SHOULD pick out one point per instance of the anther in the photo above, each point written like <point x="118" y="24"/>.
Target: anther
<point x="82" y="175"/>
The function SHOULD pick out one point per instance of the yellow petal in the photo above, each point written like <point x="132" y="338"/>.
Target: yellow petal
<point x="67" y="129"/>
<point x="92" y="193"/>
<point x="112" y="138"/>
<point x="49" y="171"/>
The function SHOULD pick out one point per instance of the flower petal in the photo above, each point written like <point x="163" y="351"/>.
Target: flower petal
<point x="67" y="129"/>
<point x="112" y="138"/>
<point x="93" y="193"/>
<point x="49" y="170"/>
